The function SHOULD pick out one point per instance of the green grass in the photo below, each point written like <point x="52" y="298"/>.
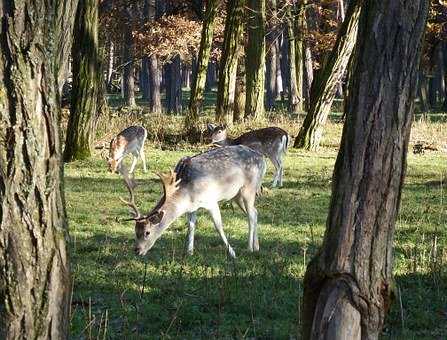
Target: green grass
<point x="208" y="295"/>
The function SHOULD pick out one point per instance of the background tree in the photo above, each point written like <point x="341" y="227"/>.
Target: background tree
<point x="198" y="87"/>
<point x="255" y="59"/>
<point x="228" y="61"/>
<point x="34" y="267"/>
<point x="348" y="286"/>
<point x="86" y="83"/>
<point x="324" y="86"/>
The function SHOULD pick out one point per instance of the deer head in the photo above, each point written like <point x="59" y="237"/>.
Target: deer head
<point x="148" y="228"/>
<point x="218" y="132"/>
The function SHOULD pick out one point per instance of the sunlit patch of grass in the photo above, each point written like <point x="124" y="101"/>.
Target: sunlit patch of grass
<point x="208" y="295"/>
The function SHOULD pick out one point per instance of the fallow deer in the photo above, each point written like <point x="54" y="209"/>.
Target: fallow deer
<point x="130" y="140"/>
<point x="272" y="142"/>
<point x="202" y="181"/>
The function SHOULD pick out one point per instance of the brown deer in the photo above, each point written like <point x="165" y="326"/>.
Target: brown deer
<point x="272" y="142"/>
<point x="130" y="140"/>
<point x="202" y="181"/>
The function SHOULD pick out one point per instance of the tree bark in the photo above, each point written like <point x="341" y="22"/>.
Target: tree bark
<point x="270" y="60"/>
<point x="86" y="83"/>
<point x="110" y="61"/>
<point x="228" y="62"/>
<point x="255" y="59"/>
<point x="198" y="87"/>
<point x="323" y="88"/>
<point x="174" y="86"/>
<point x="128" y="69"/>
<point x="300" y="26"/>
<point x="34" y="265"/>
<point x="154" y="85"/>
<point x="348" y="286"/>
<point x="295" y="102"/>
<point x="240" y="96"/>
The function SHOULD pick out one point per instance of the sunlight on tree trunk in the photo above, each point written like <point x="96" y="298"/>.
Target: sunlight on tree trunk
<point x="86" y="83"/>
<point x="323" y="87"/>
<point x="348" y="286"/>
<point x="255" y="59"/>
<point x="198" y="87"/>
<point x="34" y="266"/>
<point x="228" y="61"/>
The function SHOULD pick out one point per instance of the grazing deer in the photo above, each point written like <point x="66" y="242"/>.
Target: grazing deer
<point x="130" y="140"/>
<point x="202" y="181"/>
<point x="271" y="142"/>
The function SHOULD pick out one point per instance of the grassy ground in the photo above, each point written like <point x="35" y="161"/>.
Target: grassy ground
<point x="208" y="295"/>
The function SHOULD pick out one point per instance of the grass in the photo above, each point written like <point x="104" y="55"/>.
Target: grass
<point x="167" y="295"/>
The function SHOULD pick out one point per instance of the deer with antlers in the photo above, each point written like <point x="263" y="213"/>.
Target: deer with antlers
<point x="130" y="140"/>
<point x="272" y="142"/>
<point x="202" y="181"/>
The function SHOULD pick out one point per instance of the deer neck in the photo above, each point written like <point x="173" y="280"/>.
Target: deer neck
<point x="173" y="207"/>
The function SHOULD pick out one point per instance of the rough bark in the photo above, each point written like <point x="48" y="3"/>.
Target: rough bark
<point x="324" y="87"/>
<point x="34" y="266"/>
<point x="198" y="87"/>
<point x="239" y="100"/>
<point x="228" y="61"/>
<point x="348" y="286"/>
<point x="86" y="83"/>
<point x="270" y="60"/>
<point x="255" y="59"/>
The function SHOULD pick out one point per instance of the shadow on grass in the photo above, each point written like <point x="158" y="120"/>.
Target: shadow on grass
<point x="201" y="296"/>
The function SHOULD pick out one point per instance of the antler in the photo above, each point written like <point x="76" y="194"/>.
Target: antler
<point x="130" y="184"/>
<point x="170" y="182"/>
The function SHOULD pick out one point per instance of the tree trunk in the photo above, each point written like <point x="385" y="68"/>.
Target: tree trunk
<point x="348" y="286"/>
<point x="34" y="264"/>
<point x="323" y="88"/>
<point x="300" y="25"/>
<point x="196" y="100"/>
<point x="308" y="74"/>
<point x="228" y="61"/>
<point x="110" y="60"/>
<point x="154" y="85"/>
<point x="295" y="102"/>
<point x="86" y="83"/>
<point x="174" y="86"/>
<point x="285" y="65"/>
<point x="240" y="96"/>
<point x="255" y="59"/>
<point x="144" y="79"/>
<point x="128" y="69"/>
<point x="270" y="59"/>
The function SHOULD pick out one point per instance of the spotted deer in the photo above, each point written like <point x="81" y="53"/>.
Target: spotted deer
<point x="202" y="181"/>
<point x="272" y="142"/>
<point x="130" y="140"/>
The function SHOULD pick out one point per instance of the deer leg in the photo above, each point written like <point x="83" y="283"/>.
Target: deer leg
<point x="143" y="159"/>
<point x="277" y="166"/>
<point x="192" y="219"/>
<point x="240" y="202"/>
<point x="134" y="162"/>
<point x="217" y="219"/>
<point x="252" y="214"/>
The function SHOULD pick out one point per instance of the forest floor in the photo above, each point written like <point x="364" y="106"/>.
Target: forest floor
<point x="118" y="295"/>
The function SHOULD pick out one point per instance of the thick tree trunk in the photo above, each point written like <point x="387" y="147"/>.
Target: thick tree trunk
<point x="86" y="83"/>
<point x="154" y="85"/>
<point x="285" y="65"/>
<point x="198" y="87"/>
<point x="308" y="75"/>
<point x="348" y="286"/>
<point x="323" y="88"/>
<point x="174" y="86"/>
<point x="270" y="59"/>
<point x="228" y="61"/>
<point x="239" y="100"/>
<point x="34" y="266"/>
<point x="211" y="78"/>
<point x="255" y="59"/>
<point x="128" y="69"/>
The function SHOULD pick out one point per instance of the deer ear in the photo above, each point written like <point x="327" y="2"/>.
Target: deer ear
<point x="224" y="126"/>
<point x="156" y="217"/>
<point x="211" y="127"/>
